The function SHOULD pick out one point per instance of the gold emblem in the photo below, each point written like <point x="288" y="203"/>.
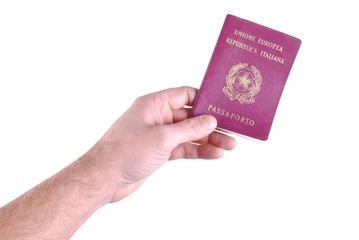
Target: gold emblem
<point x="243" y="83"/>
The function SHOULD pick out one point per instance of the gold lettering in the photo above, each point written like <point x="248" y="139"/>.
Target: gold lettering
<point x="231" y="115"/>
<point x="270" y="45"/>
<point x="272" y="57"/>
<point x="241" y="45"/>
<point x="210" y="107"/>
<point x="245" y="35"/>
<point x="242" y="119"/>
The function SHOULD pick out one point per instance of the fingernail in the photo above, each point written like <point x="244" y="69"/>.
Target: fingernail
<point x="210" y="122"/>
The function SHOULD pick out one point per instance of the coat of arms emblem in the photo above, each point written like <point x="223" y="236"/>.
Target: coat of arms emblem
<point x="243" y="83"/>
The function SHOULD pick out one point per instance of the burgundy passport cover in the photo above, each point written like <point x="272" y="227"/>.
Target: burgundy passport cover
<point x="245" y="77"/>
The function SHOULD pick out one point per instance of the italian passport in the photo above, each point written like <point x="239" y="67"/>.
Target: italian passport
<point x="245" y="77"/>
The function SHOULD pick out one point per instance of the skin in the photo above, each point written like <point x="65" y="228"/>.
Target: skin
<point x="155" y="129"/>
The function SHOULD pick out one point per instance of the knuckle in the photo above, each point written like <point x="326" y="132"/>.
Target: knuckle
<point x="191" y="125"/>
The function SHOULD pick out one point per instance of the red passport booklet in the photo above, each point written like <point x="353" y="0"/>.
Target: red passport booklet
<point x="245" y="77"/>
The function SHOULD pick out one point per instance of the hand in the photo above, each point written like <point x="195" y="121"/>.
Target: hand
<point x="156" y="128"/>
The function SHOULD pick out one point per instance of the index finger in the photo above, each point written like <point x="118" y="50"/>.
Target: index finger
<point x="180" y="96"/>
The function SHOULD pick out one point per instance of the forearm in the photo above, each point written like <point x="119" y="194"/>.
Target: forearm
<point x="56" y="208"/>
<point x="153" y="130"/>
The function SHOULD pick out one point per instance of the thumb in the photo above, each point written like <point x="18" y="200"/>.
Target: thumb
<point x="192" y="129"/>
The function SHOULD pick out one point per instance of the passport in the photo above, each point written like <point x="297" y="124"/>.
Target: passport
<point x="245" y="77"/>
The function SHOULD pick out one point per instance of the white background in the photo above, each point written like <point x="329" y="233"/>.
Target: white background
<point x="68" y="69"/>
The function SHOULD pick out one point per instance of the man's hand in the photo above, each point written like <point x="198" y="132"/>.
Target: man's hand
<point x="156" y="128"/>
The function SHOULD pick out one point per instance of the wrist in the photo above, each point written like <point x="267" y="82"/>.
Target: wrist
<point x="105" y="163"/>
<point x="96" y="175"/>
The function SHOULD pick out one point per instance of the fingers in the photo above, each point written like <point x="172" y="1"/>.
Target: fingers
<point x="216" y="138"/>
<point x="211" y="147"/>
<point x="181" y="114"/>
<point x="179" y="97"/>
<point x="195" y="151"/>
<point x="220" y="140"/>
<point x="191" y="129"/>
